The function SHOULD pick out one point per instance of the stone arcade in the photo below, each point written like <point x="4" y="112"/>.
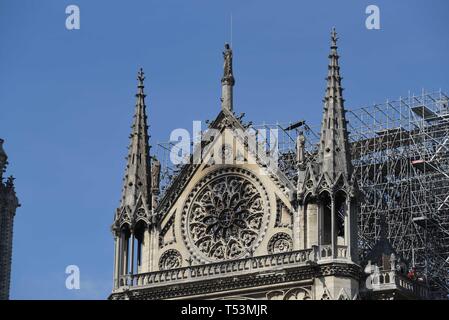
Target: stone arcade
<point x="247" y="230"/>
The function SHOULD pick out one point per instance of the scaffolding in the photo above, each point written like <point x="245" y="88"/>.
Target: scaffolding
<point x="400" y="155"/>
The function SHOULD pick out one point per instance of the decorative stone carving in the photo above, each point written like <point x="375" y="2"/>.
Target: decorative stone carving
<point x="228" y="77"/>
<point x="280" y="242"/>
<point x="298" y="294"/>
<point x="226" y="215"/>
<point x="324" y="184"/>
<point x="141" y="213"/>
<point x="275" y="295"/>
<point x="343" y="295"/>
<point x="283" y="215"/>
<point x="291" y="294"/>
<point x="155" y="174"/>
<point x="170" y="259"/>
<point x="309" y="184"/>
<point x="123" y="217"/>
<point x="326" y="295"/>
<point x="167" y="235"/>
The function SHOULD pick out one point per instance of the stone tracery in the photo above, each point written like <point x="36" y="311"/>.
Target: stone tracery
<point x="170" y="259"/>
<point x="225" y="217"/>
<point x="280" y="242"/>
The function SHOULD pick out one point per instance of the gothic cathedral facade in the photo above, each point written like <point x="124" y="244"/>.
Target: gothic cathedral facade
<point x="233" y="226"/>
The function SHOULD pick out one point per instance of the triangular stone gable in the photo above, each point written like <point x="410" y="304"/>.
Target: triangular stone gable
<point x="141" y="211"/>
<point x="326" y="294"/>
<point x="123" y="216"/>
<point x="343" y="295"/>
<point x="225" y="122"/>
<point x="324" y="183"/>
<point x="308" y="181"/>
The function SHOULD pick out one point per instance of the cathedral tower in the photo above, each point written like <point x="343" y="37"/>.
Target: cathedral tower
<point x="8" y="205"/>
<point x="326" y="191"/>
<point x="135" y="229"/>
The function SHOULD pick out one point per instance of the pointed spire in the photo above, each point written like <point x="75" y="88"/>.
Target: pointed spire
<point x="228" y="81"/>
<point x="334" y="148"/>
<point x="138" y="170"/>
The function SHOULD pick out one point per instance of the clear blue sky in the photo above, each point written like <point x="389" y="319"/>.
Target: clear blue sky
<point x="67" y="98"/>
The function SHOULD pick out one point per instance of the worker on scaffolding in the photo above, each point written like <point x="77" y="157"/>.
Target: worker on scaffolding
<point x="412" y="274"/>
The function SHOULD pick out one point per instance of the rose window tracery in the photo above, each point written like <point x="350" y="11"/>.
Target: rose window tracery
<point x="280" y="242"/>
<point x="170" y="259"/>
<point x="225" y="217"/>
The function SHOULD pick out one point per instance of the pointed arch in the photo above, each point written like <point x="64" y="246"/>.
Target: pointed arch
<point x="298" y="294"/>
<point x="139" y="238"/>
<point x="325" y="201"/>
<point x="125" y="235"/>
<point x="275" y="295"/>
<point x="341" y="216"/>
<point x="309" y="232"/>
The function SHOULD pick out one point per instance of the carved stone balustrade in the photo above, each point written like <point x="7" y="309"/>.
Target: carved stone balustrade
<point x="220" y="269"/>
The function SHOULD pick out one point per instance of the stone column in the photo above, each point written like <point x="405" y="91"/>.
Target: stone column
<point x="298" y="228"/>
<point x="154" y="245"/>
<point x="124" y="253"/>
<point x="116" y="261"/>
<point x="131" y="271"/>
<point x="227" y="97"/>
<point x="348" y="226"/>
<point x="146" y="251"/>
<point x="333" y="224"/>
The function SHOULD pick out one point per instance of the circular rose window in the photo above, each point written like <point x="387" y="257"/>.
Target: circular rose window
<point x="226" y="215"/>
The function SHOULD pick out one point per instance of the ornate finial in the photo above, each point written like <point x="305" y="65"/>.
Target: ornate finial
<point x="228" y="77"/>
<point x="227" y="82"/>
<point x="334" y="38"/>
<point x="141" y="77"/>
<point x="300" y="148"/>
<point x="155" y="175"/>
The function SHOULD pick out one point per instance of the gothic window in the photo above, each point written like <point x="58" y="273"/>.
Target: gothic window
<point x="225" y="218"/>
<point x="125" y="257"/>
<point x="326" y="216"/>
<point x="139" y="231"/>
<point x="340" y="215"/>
